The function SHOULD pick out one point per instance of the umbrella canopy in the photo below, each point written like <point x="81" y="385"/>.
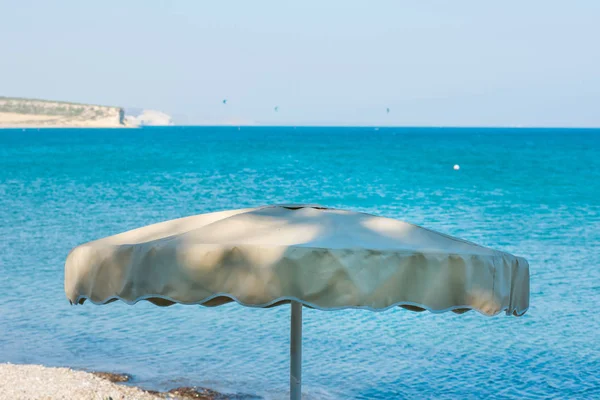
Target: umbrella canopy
<point x="323" y="258"/>
<point x="313" y="256"/>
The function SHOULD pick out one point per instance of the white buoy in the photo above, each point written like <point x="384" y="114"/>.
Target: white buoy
<point x="456" y="167"/>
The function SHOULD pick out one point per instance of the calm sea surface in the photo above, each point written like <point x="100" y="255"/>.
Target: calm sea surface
<point x="534" y="193"/>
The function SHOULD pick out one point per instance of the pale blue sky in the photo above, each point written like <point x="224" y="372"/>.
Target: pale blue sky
<point x="506" y="63"/>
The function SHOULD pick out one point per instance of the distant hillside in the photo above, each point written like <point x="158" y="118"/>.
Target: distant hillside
<point x="20" y="112"/>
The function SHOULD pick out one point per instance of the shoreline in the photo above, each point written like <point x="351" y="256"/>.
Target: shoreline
<point x="30" y="381"/>
<point x="32" y="127"/>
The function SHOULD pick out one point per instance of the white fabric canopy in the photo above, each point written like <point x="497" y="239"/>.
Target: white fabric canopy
<point x="322" y="258"/>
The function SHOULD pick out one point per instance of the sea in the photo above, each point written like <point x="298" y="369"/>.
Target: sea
<point x="532" y="192"/>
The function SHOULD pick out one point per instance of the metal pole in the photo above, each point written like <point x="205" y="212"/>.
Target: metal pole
<point x="296" y="352"/>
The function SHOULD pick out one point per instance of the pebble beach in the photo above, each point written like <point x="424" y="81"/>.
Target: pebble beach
<point x="37" y="382"/>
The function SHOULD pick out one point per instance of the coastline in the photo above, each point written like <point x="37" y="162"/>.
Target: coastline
<point x="24" y="113"/>
<point x="27" y="381"/>
<point x="49" y="127"/>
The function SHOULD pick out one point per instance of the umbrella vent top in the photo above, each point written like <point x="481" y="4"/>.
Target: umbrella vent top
<point x="299" y="206"/>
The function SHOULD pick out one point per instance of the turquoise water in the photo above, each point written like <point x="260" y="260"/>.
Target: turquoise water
<point x="534" y="193"/>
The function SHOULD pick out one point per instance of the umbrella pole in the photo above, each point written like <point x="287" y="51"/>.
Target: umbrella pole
<point x="296" y="352"/>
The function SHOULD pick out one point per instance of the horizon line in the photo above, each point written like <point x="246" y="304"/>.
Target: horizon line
<point x="368" y="126"/>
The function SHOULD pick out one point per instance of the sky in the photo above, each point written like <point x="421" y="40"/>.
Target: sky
<point x="335" y="62"/>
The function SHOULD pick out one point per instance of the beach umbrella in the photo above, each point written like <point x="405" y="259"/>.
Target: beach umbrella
<point x="303" y="255"/>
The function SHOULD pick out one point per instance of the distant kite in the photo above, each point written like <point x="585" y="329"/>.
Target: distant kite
<point x="225" y="101"/>
<point x="276" y="109"/>
<point x="387" y="110"/>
